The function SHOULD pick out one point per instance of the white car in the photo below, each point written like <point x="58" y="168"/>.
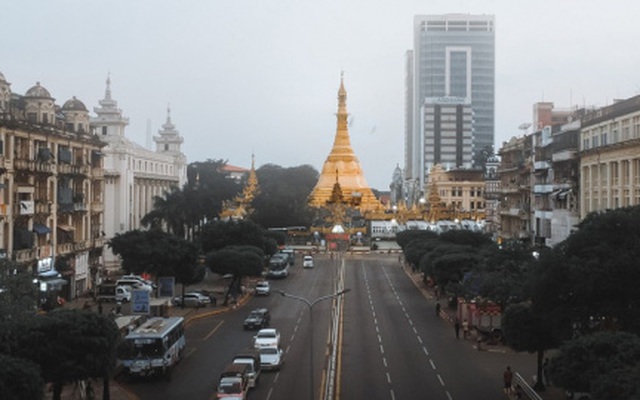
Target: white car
<point x="270" y="357"/>
<point x="266" y="338"/>
<point x="307" y="262"/>
<point x="263" y="288"/>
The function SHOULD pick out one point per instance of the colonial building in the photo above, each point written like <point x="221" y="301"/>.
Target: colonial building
<point x="51" y="189"/>
<point x="610" y="157"/>
<point x="134" y="175"/>
<point x="515" y="188"/>
<point x="461" y="190"/>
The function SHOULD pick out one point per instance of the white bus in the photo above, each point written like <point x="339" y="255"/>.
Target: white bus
<point x="154" y="347"/>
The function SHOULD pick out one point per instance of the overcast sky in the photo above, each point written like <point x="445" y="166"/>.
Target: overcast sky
<point x="262" y="76"/>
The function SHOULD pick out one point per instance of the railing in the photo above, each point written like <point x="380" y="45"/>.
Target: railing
<point x="65" y="248"/>
<point x="528" y="390"/>
<point x="25" y="255"/>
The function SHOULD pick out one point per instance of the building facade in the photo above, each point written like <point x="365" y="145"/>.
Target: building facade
<point x="51" y="190"/>
<point x="134" y="175"/>
<point x="610" y="157"/>
<point x="447" y="133"/>
<point x="453" y="56"/>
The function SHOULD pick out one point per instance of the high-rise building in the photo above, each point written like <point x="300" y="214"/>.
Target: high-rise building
<point x="453" y="57"/>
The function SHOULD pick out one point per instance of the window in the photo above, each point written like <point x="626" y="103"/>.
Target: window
<point x="104" y="130"/>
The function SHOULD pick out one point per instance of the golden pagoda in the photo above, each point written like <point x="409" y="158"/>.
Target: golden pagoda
<point x="240" y="207"/>
<point x="342" y="167"/>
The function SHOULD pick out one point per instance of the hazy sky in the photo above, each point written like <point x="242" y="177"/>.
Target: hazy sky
<point x="262" y="76"/>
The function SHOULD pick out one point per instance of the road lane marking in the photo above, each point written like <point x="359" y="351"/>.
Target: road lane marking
<point x="419" y="339"/>
<point x="449" y="395"/>
<point x="270" y="393"/>
<point x="189" y="352"/>
<point x="213" y="330"/>
<point x="388" y="378"/>
<point x="432" y="364"/>
<point x="440" y="379"/>
<point x="393" y="395"/>
<point x="381" y="349"/>
<point x="426" y="352"/>
<point x="384" y="361"/>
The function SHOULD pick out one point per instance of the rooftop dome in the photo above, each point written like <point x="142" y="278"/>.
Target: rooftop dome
<point x="74" y="105"/>
<point x="2" y="78"/>
<point x="38" y="91"/>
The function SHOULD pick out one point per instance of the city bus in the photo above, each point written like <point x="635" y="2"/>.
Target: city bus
<point x="154" y="347"/>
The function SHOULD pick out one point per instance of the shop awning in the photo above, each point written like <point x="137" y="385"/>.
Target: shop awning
<point x="563" y="195"/>
<point x="41" y="229"/>
<point x="66" y="228"/>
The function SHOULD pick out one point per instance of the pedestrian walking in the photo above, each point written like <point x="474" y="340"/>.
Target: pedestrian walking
<point x="465" y="328"/>
<point x="438" y="309"/>
<point x="456" y="326"/>
<point x="507" y="377"/>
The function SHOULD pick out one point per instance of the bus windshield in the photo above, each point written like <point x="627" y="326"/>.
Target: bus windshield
<point x="136" y="348"/>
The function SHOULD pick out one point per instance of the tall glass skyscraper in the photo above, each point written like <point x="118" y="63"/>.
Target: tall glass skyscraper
<point x="453" y="57"/>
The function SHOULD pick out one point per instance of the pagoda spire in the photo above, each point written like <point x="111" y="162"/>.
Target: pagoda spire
<point x="342" y="167"/>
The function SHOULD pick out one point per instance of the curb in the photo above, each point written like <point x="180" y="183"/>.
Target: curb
<point x="244" y="299"/>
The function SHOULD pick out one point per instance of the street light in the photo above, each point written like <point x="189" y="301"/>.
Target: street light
<point x="310" y="305"/>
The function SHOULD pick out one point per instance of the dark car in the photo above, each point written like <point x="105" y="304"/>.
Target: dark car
<point x="257" y="319"/>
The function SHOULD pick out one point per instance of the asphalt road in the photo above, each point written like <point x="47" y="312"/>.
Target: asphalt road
<point x="393" y="345"/>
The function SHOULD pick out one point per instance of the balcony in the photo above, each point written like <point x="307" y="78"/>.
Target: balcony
<point x="97" y="207"/>
<point x="541" y="165"/>
<point x="64" y="248"/>
<point x="82" y="245"/>
<point x="25" y="255"/>
<point x="565" y="155"/>
<point x="99" y="242"/>
<point x="79" y="207"/>
<point x="542" y="189"/>
<point x="97" y="173"/>
<point x="24" y="164"/>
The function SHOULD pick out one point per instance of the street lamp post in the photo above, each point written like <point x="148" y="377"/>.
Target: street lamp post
<point x="310" y="305"/>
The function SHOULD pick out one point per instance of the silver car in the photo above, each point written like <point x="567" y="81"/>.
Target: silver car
<point x="192" y="300"/>
<point x="270" y="357"/>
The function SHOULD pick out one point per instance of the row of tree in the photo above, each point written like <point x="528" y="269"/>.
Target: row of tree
<point x="59" y="347"/>
<point x="580" y="298"/>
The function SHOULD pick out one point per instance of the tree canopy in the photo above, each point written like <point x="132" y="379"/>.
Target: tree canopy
<point x="157" y="253"/>
<point x="217" y="235"/>
<point x="605" y="364"/>
<point x="284" y="195"/>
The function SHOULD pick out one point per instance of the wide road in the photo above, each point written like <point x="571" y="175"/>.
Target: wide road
<point x="212" y="342"/>
<point x="393" y="346"/>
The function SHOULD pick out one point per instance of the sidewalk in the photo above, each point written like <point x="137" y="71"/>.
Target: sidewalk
<point x="448" y="314"/>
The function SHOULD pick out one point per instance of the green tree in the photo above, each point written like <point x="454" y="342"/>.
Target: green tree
<point x="526" y="330"/>
<point x="157" y="253"/>
<point x="284" y="195"/>
<point x="240" y="261"/>
<point x="605" y="364"/>
<point x="217" y="235"/>
<point x="71" y="345"/>
<point x="605" y="277"/>
<point x="20" y="379"/>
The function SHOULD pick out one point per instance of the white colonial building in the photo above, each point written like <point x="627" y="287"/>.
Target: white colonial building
<point x="134" y="175"/>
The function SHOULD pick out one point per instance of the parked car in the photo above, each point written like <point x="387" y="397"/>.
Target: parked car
<point x="134" y="284"/>
<point x="270" y="357"/>
<point x="258" y="318"/>
<point x="266" y="337"/>
<point x="307" y="262"/>
<point x="192" y="299"/>
<point x="263" y="288"/>
<point x="140" y="279"/>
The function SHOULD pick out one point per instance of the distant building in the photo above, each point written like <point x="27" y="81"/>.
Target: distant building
<point x="447" y="133"/>
<point x="134" y="175"/>
<point x="453" y="56"/>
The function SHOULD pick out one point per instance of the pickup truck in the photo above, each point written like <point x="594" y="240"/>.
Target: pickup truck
<point x="110" y="292"/>
<point x="251" y="358"/>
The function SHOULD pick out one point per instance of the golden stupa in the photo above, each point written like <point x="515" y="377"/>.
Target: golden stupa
<point x="342" y="167"/>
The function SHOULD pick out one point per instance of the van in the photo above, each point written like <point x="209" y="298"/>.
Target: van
<point x="110" y="292"/>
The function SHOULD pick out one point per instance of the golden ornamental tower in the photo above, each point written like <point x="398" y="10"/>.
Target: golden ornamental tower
<point x="240" y="207"/>
<point x="342" y="167"/>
